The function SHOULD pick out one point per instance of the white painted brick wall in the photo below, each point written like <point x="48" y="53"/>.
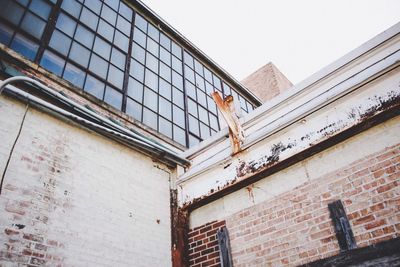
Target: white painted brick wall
<point x="87" y="199"/>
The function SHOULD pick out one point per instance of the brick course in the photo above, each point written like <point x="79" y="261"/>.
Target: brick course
<point x="203" y="247"/>
<point x="295" y="227"/>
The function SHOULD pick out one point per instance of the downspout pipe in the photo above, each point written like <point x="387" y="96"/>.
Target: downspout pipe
<point x="107" y="126"/>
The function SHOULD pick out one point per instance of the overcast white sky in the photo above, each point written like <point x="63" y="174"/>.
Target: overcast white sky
<point x="299" y="37"/>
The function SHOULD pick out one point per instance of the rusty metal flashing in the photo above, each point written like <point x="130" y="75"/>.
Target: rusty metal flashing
<point x="227" y="109"/>
<point x="370" y="119"/>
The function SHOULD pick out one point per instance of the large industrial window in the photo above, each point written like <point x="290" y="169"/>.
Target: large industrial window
<point x="116" y="55"/>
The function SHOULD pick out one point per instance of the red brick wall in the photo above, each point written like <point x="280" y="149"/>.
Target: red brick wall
<point x="295" y="227"/>
<point x="203" y="245"/>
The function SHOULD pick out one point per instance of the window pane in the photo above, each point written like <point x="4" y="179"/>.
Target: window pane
<point x="165" y="41"/>
<point x="138" y="53"/>
<point x="213" y="122"/>
<point x="40" y="8"/>
<point x="118" y="58"/>
<point x="208" y="75"/>
<point x="198" y="67"/>
<point x="24" y="46"/>
<point x="152" y="46"/>
<point x="177" y="80"/>
<point x="109" y="15"/>
<point x="201" y="98"/>
<point x="165" y="89"/>
<point x="165" y="72"/>
<point x="136" y="70"/>
<point x="211" y="105"/>
<point x="178" y="116"/>
<point x="204" y="131"/>
<point x="66" y="24"/>
<point x="60" y="42"/>
<point x="190" y="90"/>
<point x="113" y="97"/>
<point x="121" y="41"/>
<point x="189" y="74"/>
<point x="192" y="108"/>
<point x="106" y="30"/>
<point x="98" y="66"/>
<point x="209" y="88"/>
<point x="188" y="59"/>
<point x="102" y="48"/>
<point x="135" y="90"/>
<point x="165" y="56"/>
<point x="177" y="65"/>
<point x="94" y="87"/>
<point x="125" y="11"/>
<point x="150" y="118"/>
<point x="203" y="115"/>
<point x="134" y="109"/>
<point x="194" y="125"/>
<point x="200" y="82"/>
<point x="141" y="23"/>
<point x="124" y="26"/>
<point x="177" y="50"/>
<point x="179" y="135"/>
<point x="152" y="62"/>
<point x="89" y="18"/>
<point x="84" y="36"/>
<point x="11" y="12"/>
<point x="112" y="3"/>
<point x="217" y="82"/>
<point x="165" y="108"/>
<point x="72" y="7"/>
<point x="165" y="127"/>
<point x="151" y="80"/>
<point x="139" y="37"/>
<point x="177" y="97"/>
<point x="33" y="25"/>
<point x="153" y="33"/>
<point x="94" y="5"/>
<point x="79" y="54"/>
<point x="52" y="62"/>
<point x="5" y="34"/>
<point x="74" y="75"/>
<point x="116" y="77"/>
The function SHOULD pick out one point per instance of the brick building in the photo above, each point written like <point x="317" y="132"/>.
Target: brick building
<point x="114" y="152"/>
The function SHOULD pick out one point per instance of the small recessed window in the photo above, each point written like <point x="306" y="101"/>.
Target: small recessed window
<point x="176" y="50"/>
<point x="152" y="46"/>
<point x="177" y="97"/>
<point x="116" y="77"/>
<point x="178" y="116"/>
<point x="139" y="37"/>
<point x="177" y="65"/>
<point x="194" y="125"/>
<point x="106" y="30"/>
<point x="165" y="127"/>
<point x="188" y="59"/>
<point x="190" y="90"/>
<point x="177" y="80"/>
<point x="165" y="108"/>
<point x="152" y="62"/>
<point x="150" y="118"/>
<point x="165" y="72"/>
<point x="203" y="115"/>
<point x="179" y="135"/>
<point x="192" y="108"/>
<point x="125" y="11"/>
<point x="109" y="15"/>
<point x="165" y="41"/>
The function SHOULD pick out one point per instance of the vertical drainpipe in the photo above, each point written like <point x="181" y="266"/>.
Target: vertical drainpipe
<point x="179" y="232"/>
